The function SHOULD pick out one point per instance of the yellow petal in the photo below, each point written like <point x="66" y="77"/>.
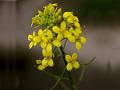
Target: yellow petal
<point x="49" y="47"/>
<point x="44" y="38"/>
<point x="69" y="66"/>
<point x="43" y="44"/>
<point x="76" y="65"/>
<point x="49" y="53"/>
<point x="59" y="37"/>
<point x="76" y="19"/>
<point x="44" y="62"/>
<point x="49" y="34"/>
<point x="57" y="43"/>
<point x="38" y="61"/>
<point x="71" y="38"/>
<point x="40" y="32"/>
<point x="68" y="58"/>
<point x="51" y="63"/>
<point x="78" y="30"/>
<point x="77" y="24"/>
<point x="35" y="43"/>
<point x="63" y="25"/>
<point x="75" y="33"/>
<point x="66" y="33"/>
<point x="30" y="37"/>
<point x="56" y="29"/>
<point x="30" y="45"/>
<point x="41" y="67"/>
<point x="36" y="39"/>
<point x="74" y="56"/>
<point x="78" y="45"/>
<point x="70" y="20"/>
<point x="83" y="39"/>
<point x="44" y="52"/>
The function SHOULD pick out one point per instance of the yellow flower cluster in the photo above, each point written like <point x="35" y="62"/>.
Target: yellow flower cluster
<point x="52" y="35"/>
<point x="48" y="17"/>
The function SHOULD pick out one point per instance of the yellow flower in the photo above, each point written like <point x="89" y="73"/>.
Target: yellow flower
<point x="38" y="61"/>
<point x="67" y="14"/>
<point x="77" y="24"/>
<point x="72" y="19"/>
<point x="72" y="62"/>
<point x="47" y="61"/>
<point x="45" y="36"/>
<point x="50" y="62"/>
<point x="61" y="33"/>
<point x="79" y="41"/>
<point x="78" y="45"/>
<point x="34" y="40"/>
<point x="42" y="64"/>
<point x="83" y="39"/>
<point x="41" y="67"/>
<point x="47" y="53"/>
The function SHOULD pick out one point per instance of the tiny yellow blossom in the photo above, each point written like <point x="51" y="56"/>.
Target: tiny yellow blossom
<point x="79" y="41"/>
<point x="78" y="45"/>
<point x="61" y="33"/>
<point x="72" y="62"/>
<point x="50" y="63"/>
<point x="67" y="14"/>
<point x="34" y="40"/>
<point x="38" y="61"/>
<point x="72" y="19"/>
<point x="69" y="66"/>
<point x="41" y="67"/>
<point x="83" y="39"/>
<point x="45" y="62"/>
<point x="45" y="37"/>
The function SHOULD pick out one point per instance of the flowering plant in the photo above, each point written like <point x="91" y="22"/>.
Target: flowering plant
<point x="54" y="27"/>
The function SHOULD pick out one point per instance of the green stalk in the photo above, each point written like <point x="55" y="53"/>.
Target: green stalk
<point x="68" y="72"/>
<point x="58" y="80"/>
<point x="54" y="76"/>
<point x="64" y="86"/>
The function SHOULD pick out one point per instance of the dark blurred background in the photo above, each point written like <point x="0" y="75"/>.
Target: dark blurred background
<point x="101" y="21"/>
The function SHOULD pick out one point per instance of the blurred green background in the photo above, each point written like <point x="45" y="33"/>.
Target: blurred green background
<point x="101" y="21"/>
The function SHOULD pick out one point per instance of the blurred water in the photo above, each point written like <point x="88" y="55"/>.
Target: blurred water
<point x="15" y="19"/>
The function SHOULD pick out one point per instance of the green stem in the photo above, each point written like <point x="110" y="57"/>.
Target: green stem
<point x="68" y="72"/>
<point x="54" y="76"/>
<point x="58" y="80"/>
<point x="65" y="43"/>
<point x="84" y="67"/>
<point x="64" y="86"/>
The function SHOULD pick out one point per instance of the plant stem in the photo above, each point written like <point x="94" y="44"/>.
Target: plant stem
<point x="58" y="80"/>
<point x="68" y="72"/>
<point x="54" y="76"/>
<point x="65" y="43"/>
<point x="64" y="86"/>
<point x="84" y="67"/>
